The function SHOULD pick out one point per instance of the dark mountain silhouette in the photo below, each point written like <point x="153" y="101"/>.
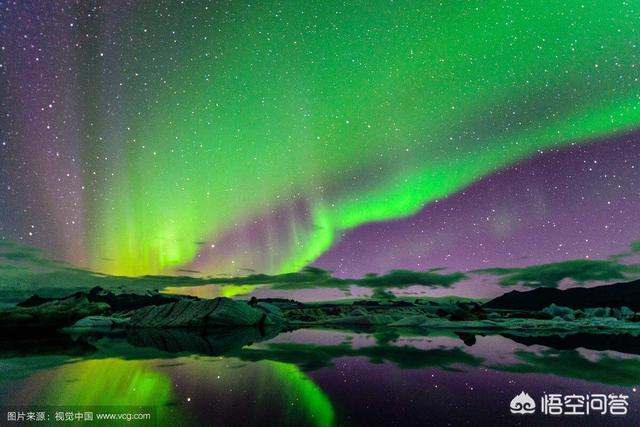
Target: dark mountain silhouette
<point x="118" y="302"/>
<point x="616" y="295"/>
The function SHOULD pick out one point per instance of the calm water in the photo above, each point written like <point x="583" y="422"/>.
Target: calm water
<point x="317" y="377"/>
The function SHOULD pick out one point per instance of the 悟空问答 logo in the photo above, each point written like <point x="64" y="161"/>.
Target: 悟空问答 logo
<point x="522" y="404"/>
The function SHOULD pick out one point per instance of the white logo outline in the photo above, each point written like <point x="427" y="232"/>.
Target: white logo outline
<point x="522" y="404"/>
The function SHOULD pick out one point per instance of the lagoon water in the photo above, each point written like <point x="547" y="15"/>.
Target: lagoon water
<point x="316" y="377"/>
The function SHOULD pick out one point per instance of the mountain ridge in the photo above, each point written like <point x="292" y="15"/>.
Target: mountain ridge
<point x="613" y="295"/>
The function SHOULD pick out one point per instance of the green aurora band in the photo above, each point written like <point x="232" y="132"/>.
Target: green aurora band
<point x="361" y="112"/>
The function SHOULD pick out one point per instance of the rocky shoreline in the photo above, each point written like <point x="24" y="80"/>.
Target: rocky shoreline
<point x="104" y="310"/>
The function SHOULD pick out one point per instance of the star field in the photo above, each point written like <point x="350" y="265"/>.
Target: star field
<point x="142" y="138"/>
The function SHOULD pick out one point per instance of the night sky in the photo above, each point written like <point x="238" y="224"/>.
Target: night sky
<point x="150" y="137"/>
<point x="579" y="202"/>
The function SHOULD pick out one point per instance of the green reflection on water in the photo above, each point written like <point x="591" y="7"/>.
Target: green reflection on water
<point x="314" y="402"/>
<point x="236" y="376"/>
<point x="281" y="390"/>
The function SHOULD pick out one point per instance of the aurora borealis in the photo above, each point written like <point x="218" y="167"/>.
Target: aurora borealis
<point x="312" y="151"/>
<point x="143" y="138"/>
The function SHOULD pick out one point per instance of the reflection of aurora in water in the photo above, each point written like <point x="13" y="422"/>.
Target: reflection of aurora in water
<point x="93" y="382"/>
<point x="175" y="389"/>
<point x="317" y="377"/>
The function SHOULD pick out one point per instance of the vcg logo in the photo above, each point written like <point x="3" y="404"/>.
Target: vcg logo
<point x="522" y="404"/>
